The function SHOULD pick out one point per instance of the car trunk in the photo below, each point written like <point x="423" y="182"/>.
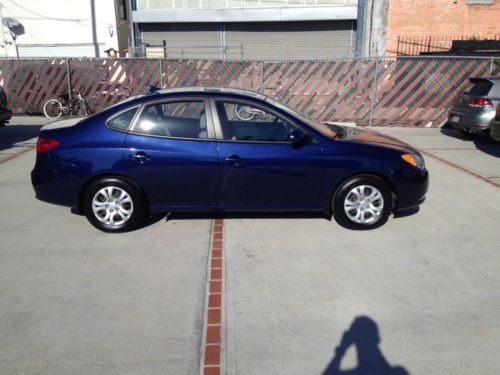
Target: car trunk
<point x="478" y="89"/>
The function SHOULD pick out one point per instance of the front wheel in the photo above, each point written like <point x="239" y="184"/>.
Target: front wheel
<point x="53" y="109"/>
<point x="114" y="205"/>
<point x="362" y="202"/>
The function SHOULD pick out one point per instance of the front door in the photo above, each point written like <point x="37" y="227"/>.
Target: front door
<point x="260" y="166"/>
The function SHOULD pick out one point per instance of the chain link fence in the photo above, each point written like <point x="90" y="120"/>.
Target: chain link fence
<point x="405" y="91"/>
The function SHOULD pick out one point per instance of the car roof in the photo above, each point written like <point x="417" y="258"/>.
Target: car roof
<point x="223" y="90"/>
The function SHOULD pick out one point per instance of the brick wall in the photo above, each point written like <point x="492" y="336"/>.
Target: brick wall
<point x="421" y="18"/>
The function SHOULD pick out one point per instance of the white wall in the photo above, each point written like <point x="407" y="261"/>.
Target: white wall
<point x="61" y="23"/>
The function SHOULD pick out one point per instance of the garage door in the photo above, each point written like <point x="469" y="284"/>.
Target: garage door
<point x="290" y="40"/>
<point x="252" y="40"/>
<point x="184" y="40"/>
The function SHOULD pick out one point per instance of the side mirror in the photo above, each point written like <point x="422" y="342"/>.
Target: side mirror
<point x="298" y="137"/>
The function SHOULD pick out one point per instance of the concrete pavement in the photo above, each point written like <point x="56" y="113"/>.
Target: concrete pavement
<point x="429" y="282"/>
<point x="74" y="300"/>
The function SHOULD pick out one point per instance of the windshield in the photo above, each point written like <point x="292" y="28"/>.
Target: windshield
<point x="326" y="130"/>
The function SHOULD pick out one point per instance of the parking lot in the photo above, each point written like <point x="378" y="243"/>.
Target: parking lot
<point x="420" y="295"/>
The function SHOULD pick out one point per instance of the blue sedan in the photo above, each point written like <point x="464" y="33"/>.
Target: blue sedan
<point x="206" y="149"/>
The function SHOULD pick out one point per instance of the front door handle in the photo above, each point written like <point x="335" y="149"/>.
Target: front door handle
<point x="235" y="159"/>
<point x="139" y="156"/>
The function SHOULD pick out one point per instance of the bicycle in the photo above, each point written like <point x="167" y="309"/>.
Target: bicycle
<point x="246" y="113"/>
<point x="61" y="104"/>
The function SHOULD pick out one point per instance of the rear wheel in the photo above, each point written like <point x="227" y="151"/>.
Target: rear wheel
<point x="114" y="205"/>
<point x="53" y="109"/>
<point x="362" y="202"/>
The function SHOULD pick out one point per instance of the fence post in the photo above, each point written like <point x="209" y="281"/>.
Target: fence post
<point x="161" y="72"/>
<point x="68" y="75"/>
<point x="374" y="92"/>
<point x="262" y="77"/>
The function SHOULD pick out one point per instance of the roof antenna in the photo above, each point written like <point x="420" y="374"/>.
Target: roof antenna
<point x="152" y="88"/>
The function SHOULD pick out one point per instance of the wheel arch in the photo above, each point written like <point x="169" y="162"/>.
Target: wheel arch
<point x="376" y="175"/>
<point x="85" y="186"/>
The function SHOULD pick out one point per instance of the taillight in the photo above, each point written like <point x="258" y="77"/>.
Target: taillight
<point x="44" y="145"/>
<point x="498" y="112"/>
<point x="481" y="103"/>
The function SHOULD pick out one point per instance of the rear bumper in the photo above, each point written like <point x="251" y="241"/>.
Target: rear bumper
<point x="51" y="186"/>
<point x="471" y="122"/>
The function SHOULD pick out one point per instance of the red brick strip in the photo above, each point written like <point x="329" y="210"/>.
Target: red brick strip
<point x="451" y="164"/>
<point x="15" y="155"/>
<point x="468" y="171"/>
<point x="213" y="329"/>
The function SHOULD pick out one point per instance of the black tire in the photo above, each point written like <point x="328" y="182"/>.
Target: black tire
<point x="339" y="199"/>
<point x="117" y="208"/>
<point x="465" y="133"/>
<point x="53" y="108"/>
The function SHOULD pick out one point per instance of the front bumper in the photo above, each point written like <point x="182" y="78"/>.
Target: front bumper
<point x="5" y="114"/>
<point x="411" y="190"/>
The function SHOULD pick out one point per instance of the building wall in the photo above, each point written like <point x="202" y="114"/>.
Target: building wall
<point x="60" y="28"/>
<point x="424" y="18"/>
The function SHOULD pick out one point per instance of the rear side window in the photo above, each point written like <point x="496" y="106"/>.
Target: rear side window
<point x="479" y="88"/>
<point x="123" y="120"/>
<point x="183" y="119"/>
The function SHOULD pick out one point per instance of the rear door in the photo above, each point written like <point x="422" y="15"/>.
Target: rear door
<point x="172" y="152"/>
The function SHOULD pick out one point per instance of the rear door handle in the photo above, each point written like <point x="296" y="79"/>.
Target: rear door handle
<point x="139" y="156"/>
<point x="235" y="159"/>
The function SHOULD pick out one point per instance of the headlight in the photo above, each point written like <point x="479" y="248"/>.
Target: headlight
<point x="414" y="159"/>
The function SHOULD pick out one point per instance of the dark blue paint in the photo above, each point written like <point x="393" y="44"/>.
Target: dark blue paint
<point x="183" y="174"/>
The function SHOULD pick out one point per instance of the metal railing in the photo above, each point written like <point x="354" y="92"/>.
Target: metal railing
<point x="446" y="45"/>
<point x="240" y="51"/>
<point x="407" y="91"/>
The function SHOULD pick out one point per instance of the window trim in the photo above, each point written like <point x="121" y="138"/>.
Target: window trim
<point x="121" y="112"/>
<point x="262" y="106"/>
<point x="159" y="101"/>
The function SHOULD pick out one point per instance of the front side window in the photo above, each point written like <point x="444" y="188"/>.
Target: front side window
<point x="123" y="120"/>
<point x="243" y="122"/>
<point x="183" y="119"/>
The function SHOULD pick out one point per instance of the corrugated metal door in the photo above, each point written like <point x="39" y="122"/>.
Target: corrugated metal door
<point x="184" y="40"/>
<point x="289" y="40"/>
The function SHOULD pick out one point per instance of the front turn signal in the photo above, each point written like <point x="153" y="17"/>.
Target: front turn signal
<point x="414" y="159"/>
<point x="409" y="159"/>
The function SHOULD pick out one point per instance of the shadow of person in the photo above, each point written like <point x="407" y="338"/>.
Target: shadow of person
<point x="363" y="334"/>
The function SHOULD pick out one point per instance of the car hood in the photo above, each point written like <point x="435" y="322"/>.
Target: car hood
<point x="372" y="137"/>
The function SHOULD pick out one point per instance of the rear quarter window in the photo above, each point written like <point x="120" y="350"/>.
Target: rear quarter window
<point x="480" y="88"/>
<point x="122" y="121"/>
